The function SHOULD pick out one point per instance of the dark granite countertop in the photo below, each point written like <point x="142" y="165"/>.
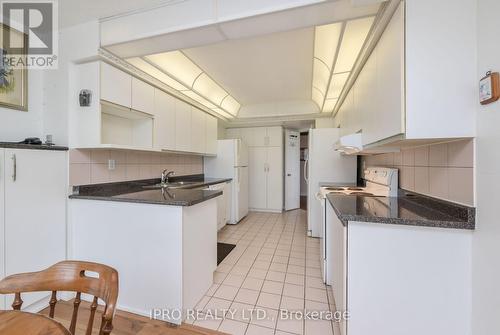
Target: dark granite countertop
<point x="407" y="209"/>
<point x="134" y="191"/>
<point x="13" y="145"/>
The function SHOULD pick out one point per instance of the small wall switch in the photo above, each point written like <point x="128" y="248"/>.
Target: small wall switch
<point x="111" y="164"/>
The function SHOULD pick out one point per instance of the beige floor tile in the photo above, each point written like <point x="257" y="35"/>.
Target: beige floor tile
<point x="292" y="326"/>
<point x="295" y="291"/>
<point x="257" y="330"/>
<point x="269" y="300"/>
<point x="208" y="323"/>
<point x="272" y="287"/>
<point x="315" y="327"/>
<point x="212" y="290"/>
<point x="296" y="269"/>
<point x="257" y="273"/>
<point x="233" y="280"/>
<point x="292" y="304"/>
<point x="291" y="278"/>
<point x="240" y="312"/>
<point x="252" y="284"/>
<point x="278" y="267"/>
<point x="315" y="282"/>
<point x="280" y="259"/>
<point x="216" y="305"/>
<point x="315" y="294"/>
<point x="265" y="317"/>
<point x="247" y="296"/>
<point x="226" y="292"/>
<point x="263" y="265"/>
<point x="233" y="327"/>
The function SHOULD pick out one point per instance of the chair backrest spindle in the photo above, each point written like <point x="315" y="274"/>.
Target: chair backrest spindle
<point x="52" y="304"/>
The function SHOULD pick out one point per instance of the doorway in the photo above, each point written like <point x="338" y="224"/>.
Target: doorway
<point x="304" y="152"/>
<point x="292" y="169"/>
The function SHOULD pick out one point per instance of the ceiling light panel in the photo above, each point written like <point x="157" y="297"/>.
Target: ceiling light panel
<point x="156" y="73"/>
<point x="321" y="75"/>
<point x="326" y="40"/>
<point x="337" y="85"/>
<point x="329" y="105"/>
<point x="196" y="97"/>
<point x="317" y="97"/>
<point x="353" y="39"/>
<point x="222" y="112"/>
<point x="231" y="105"/>
<point x="209" y="89"/>
<point x="177" y="65"/>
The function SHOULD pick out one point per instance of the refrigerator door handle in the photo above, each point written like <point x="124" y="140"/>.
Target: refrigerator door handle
<point x="306" y="177"/>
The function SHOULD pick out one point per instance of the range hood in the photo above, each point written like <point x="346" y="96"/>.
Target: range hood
<point x="349" y="144"/>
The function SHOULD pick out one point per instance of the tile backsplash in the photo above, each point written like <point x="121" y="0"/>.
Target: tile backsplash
<point x="444" y="170"/>
<point x="91" y="166"/>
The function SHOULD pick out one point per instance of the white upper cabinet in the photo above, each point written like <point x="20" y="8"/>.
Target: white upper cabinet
<point x="182" y="126"/>
<point x="259" y="138"/>
<point x="142" y="96"/>
<point x="198" y="131"/>
<point x="274" y="137"/>
<point x="164" y="112"/>
<point x="115" y="85"/>
<point x="211" y="134"/>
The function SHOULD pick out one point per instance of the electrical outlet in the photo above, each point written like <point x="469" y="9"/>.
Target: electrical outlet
<point x="111" y="164"/>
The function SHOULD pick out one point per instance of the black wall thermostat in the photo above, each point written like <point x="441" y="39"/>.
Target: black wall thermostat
<point x="85" y="98"/>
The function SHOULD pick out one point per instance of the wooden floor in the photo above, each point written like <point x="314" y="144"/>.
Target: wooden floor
<point x="124" y="323"/>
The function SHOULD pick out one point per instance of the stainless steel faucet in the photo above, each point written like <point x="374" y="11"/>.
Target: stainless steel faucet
<point x="166" y="175"/>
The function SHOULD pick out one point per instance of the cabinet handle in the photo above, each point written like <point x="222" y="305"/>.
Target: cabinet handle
<point x="14" y="167"/>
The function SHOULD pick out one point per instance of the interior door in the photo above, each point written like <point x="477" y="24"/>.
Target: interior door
<point x="2" y="226"/>
<point x="275" y="178"/>
<point x="292" y="169"/>
<point x="257" y="173"/>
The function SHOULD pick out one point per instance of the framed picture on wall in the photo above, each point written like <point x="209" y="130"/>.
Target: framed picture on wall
<point x="13" y="77"/>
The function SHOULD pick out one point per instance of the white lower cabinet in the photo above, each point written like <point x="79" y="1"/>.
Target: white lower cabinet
<point x="33" y="200"/>
<point x="265" y="166"/>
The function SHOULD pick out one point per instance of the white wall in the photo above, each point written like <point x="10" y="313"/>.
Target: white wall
<point x="16" y="125"/>
<point x="486" y="242"/>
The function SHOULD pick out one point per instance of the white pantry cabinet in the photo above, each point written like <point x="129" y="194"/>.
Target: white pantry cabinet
<point x="34" y="211"/>
<point x="258" y="137"/>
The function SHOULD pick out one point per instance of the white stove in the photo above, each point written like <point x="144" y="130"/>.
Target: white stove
<point x="380" y="182"/>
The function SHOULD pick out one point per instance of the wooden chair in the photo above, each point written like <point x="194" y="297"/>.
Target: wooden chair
<point x="72" y="276"/>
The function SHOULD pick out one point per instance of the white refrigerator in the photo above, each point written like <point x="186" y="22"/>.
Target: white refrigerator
<point x="324" y="165"/>
<point x="231" y="162"/>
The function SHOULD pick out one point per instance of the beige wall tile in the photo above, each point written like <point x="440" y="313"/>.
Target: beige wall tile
<point x="145" y="171"/>
<point x="79" y="156"/>
<point x="422" y="156"/>
<point x="119" y="156"/>
<point x="407" y="178"/>
<point x="438" y="186"/>
<point x="132" y="172"/>
<point x="409" y="157"/>
<point x="461" y="185"/>
<point x="438" y="155"/>
<point x="79" y="174"/>
<point x="118" y="174"/>
<point x="132" y="157"/>
<point x="99" y="173"/>
<point x="461" y="153"/>
<point x="422" y="183"/>
<point x="398" y="158"/>
<point x="145" y="158"/>
<point x="100" y="156"/>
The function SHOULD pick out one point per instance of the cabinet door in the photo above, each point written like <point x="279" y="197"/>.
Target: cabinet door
<point x="260" y="138"/>
<point x="390" y="81"/>
<point x="275" y="178"/>
<point x="248" y="136"/>
<point x="2" y="224"/>
<point x="182" y="126"/>
<point x="198" y="131"/>
<point x="275" y="136"/>
<point x="211" y="134"/>
<point x="164" y="121"/>
<point x="116" y="85"/>
<point x="257" y="176"/>
<point x="35" y="211"/>
<point x="143" y="96"/>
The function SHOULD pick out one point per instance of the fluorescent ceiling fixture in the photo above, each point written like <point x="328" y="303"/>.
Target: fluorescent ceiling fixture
<point x="180" y="73"/>
<point x="231" y="105"/>
<point x="337" y="84"/>
<point x="329" y="105"/>
<point x="209" y="88"/>
<point x="317" y="97"/>
<point x="156" y="73"/>
<point x="177" y="65"/>
<point x="336" y="49"/>
<point x="199" y="99"/>
<point x="354" y="37"/>
<point x="326" y="41"/>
